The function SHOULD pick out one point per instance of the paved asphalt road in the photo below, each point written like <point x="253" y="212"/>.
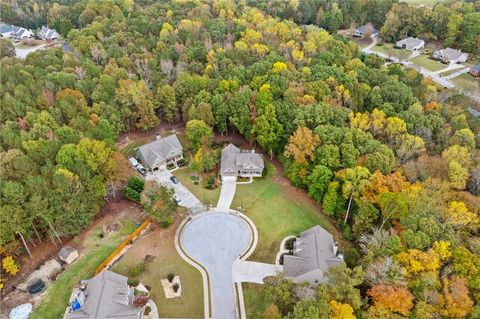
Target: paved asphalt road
<point x="216" y="240"/>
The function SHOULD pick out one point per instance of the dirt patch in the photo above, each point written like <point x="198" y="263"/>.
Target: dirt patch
<point x="127" y="138"/>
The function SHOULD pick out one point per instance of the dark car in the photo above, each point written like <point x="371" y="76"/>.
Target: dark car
<point x="174" y="179"/>
<point x="36" y="286"/>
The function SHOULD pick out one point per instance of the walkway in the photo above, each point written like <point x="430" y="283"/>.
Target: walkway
<point x="227" y="192"/>
<point x="455" y="74"/>
<point x="216" y="240"/>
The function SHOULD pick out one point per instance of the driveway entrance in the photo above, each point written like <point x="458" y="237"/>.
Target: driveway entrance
<point x="216" y="240"/>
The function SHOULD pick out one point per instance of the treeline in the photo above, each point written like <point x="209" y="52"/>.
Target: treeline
<point x="397" y="168"/>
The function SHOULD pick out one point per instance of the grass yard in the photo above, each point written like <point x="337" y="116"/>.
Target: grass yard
<point x="429" y="64"/>
<point x="130" y="148"/>
<point x="255" y="304"/>
<point x="95" y="250"/>
<point x="206" y="196"/>
<point x="467" y="82"/>
<point x="160" y="244"/>
<point x="389" y="50"/>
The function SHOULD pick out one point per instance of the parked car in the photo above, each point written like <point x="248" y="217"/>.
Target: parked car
<point x="142" y="170"/>
<point x="177" y="199"/>
<point x="174" y="179"/>
<point x="133" y="162"/>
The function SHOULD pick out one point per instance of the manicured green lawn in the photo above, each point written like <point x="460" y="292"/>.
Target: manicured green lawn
<point x="160" y="243"/>
<point x="255" y="303"/>
<point x="206" y="196"/>
<point x="389" y="50"/>
<point x="277" y="212"/>
<point x="95" y="251"/>
<point x="427" y="63"/>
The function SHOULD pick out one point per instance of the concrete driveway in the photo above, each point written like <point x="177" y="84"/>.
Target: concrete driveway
<point x="227" y="192"/>
<point x="216" y="240"/>
<point x="186" y="197"/>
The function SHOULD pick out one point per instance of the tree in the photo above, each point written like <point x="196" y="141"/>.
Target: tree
<point x="272" y="312"/>
<point x="305" y="309"/>
<point x="9" y="265"/>
<point x="354" y="181"/>
<point x="470" y="32"/>
<point x="393" y="298"/>
<point x="453" y="29"/>
<point x="318" y="182"/>
<point x="280" y="291"/>
<point x="198" y="132"/>
<point x="167" y="102"/>
<point x="393" y="205"/>
<point x="331" y="199"/>
<point x="457" y="301"/>
<point x="341" y="310"/>
<point x="6" y="48"/>
<point x="342" y="282"/>
<point x="267" y="130"/>
<point x="459" y="215"/>
<point x="302" y="145"/>
<point x="158" y="202"/>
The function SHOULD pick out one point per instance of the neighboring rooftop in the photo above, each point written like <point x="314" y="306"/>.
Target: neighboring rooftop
<point x="410" y="43"/>
<point x="234" y="159"/>
<point x="450" y="54"/>
<point x="364" y="28"/>
<point x="314" y="249"/>
<point x="160" y="150"/>
<point x="107" y="296"/>
<point x="47" y="34"/>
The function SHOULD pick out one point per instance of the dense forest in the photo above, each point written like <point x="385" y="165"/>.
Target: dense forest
<point x="395" y="165"/>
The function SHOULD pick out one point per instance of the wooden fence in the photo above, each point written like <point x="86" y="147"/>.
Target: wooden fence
<point x="124" y="244"/>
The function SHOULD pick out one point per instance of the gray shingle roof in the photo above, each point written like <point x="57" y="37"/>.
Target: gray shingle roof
<point x="234" y="159"/>
<point x="107" y="296"/>
<point x="410" y="43"/>
<point x="47" y="33"/>
<point x="159" y="150"/>
<point x="449" y="53"/>
<point x="66" y="251"/>
<point x="313" y="250"/>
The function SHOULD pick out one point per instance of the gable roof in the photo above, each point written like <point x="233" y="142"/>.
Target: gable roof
<point x="363" y="27"/>
<point x="234" y="159"/>
<point x="4" y="28"/>
<point x="313" y="250"/>
<point x="107" y="296"/>
<point x="410" y="43"/>
<point x="47" y="33"/>
<point x="449" y="53"/>
<point x="159" y="150"/>
<point x="476" y="68"/>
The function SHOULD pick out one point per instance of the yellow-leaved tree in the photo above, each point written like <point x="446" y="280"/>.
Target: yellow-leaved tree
<point x="341" y="310"/>
<point x="9" y="265"/>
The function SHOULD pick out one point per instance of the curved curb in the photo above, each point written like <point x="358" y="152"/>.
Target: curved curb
<point x="198" y="266"/>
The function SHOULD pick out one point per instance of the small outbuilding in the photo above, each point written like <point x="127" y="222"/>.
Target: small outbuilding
<point x="68" y="254"/>
<point x="410" y="44"/>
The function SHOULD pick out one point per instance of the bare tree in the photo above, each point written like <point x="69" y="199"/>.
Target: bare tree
<point x="168" y="69"/>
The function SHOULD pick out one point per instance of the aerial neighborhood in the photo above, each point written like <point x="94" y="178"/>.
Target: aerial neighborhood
<point x="240" y="159"/>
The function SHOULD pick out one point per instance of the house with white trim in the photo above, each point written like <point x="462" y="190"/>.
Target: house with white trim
<point x="11" y="31"/>
<point x="240" y="163"/>
<point x="450" y="55"/>
<point x="47" y="34"/>
<point x="160" y="153"/>
<point x="410" y="44"/>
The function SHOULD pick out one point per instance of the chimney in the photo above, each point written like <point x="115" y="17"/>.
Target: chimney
<point x="335" y="247"/>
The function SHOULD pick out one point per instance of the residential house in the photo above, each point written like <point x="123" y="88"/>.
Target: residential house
<point x="47" y="34"/>
<point x="410" y="44"/>
<point x="450" y="55"/>
<point x="314" y="252"/>
<point x="107" y="295"/>
<point x="160" y="153"/>
<point x="240" y="163"/>
<point x="366" y="29"/>
<point x="11" y="31"/>
<point x="475" y="70"/>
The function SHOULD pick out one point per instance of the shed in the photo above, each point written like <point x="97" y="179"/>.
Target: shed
<point x="68" y="254"/>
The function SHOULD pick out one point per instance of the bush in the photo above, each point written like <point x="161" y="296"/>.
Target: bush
<point x="210" y="182"/>
<point x="137" y="270"/>
<point x="166" y="222"/>
<point x="175" y="287"/>
<point x="170" y="276"/>
<point x="133" y="282"/>
<point x="131" y="194"/>
<point x="136" y="183"/>
<point x="101" y="235"/>
<point x="289" y="243"/>
<point x="347" y="232"/>
<point x="147" y="310"/>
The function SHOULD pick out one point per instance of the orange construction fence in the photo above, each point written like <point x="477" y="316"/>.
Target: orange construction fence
<point x="120" y="247"/>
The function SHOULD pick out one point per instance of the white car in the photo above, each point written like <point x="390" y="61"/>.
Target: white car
<point x="133" y="162"/>
<point x="177" y="199"/>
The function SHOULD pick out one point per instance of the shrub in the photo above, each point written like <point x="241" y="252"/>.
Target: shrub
<point x="175" y="287"/>
<point x="136" y="183"/>
<point x="166" y="222"/>
<point x="347" y="232"/>
<point x="170" y="276"/>
<point x="131" y="194"/>
<point x="133" y="282"/>
<point x="289" y="243"/>
<point x="137" y="269"/>
<point x="101" y="235"/>
<point x="140" y="301"/>
<point x="147" y="310"/>
<point x="209" y="182"/>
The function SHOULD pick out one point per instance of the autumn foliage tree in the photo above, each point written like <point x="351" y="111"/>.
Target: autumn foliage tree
<point x="394" y="298"/>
